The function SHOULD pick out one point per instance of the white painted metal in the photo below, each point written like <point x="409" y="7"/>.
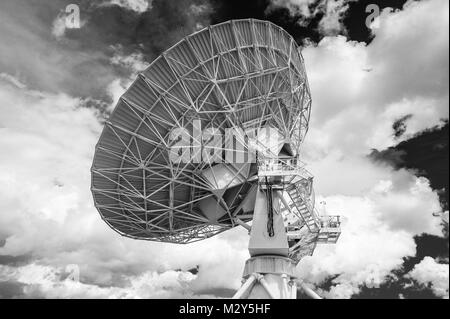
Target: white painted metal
<point x="311" y="293"/>
<point x="245" y="289"/>
<point x="244" y="74"/>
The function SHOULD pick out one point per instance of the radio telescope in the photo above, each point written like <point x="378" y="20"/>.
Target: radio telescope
<point x="162" y="170"/>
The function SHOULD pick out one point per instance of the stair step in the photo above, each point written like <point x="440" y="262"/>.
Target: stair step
<point x="306" y="214"/>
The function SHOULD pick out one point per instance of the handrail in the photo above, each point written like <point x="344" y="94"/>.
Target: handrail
<point x="303" y="186"/>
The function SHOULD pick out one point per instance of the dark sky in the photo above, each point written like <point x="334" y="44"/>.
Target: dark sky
<point x="265" y="10"/>
<point x="427" y="154"/>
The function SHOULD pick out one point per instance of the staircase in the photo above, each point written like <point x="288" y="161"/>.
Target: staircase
<point x="300" y="207"/>
<point x="297" y="182"/>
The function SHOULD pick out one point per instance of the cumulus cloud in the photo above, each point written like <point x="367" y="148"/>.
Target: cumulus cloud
<point x="135" y="63"/>
<point x="59" y="26"/>
<point x="134" y="5"/>
<point x="49" y="132"/>
<point x="430" y="273"/>
<point x="295" y="6"/>
<point x="359" y="91"/>
<point x="48" y="136"/>
<point x="34" y="56"/>
<point x="46" y="55"/>
<point x="377" y="232"/>
<point x="352" y="95"/>
<point x="39" y="281"/>
<point x="332" y="12"/>
<point x="47" y="211"/>
<point x="70" y="18"/>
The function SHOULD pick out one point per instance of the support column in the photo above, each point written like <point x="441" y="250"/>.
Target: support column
<point x="269" y="273"/>
<point x="260" y="242"/>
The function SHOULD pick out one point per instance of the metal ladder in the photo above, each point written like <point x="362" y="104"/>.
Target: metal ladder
<point x="299" y="204"/>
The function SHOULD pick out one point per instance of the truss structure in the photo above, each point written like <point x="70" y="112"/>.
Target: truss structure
<point x="280" y="238"/>
<point x="305" y="227"/>
<point x="246" y="74"/>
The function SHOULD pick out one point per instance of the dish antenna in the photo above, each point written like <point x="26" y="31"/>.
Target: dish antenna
<point x="207" y="138"/>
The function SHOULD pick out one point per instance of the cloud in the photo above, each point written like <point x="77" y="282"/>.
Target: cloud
<point x="42" y="62"/>
<point x="378" y="230"/>
<point x="49" y="130"/>
<point x="12" y="80"/>
<point x="59" y="26"/>
<point x="430" y="273"/>
<point x="134" y="63"/>
<point x="134" y="5"/>
<point x="68" y="62"/>
<point x="297" y="6"/>
<point x="331" y="13"/>
<point x="359" y="91"/>
<point x="39" y="281"/>
<point x="395" y="52"/>
<point x="48" y="213"/>
<point x="353" y="83"/>
<point x="334" y="11"/>
<point x="67" y="19"/>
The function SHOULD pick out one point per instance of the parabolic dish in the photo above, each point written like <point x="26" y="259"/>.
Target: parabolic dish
<point x="247" y="74"/>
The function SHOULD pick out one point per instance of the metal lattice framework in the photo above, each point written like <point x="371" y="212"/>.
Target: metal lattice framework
<point x="244" y="73"/>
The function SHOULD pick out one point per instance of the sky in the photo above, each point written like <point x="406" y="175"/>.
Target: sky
<point x="57" y="86"/>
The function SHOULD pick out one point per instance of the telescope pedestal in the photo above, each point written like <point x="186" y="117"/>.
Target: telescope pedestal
<point x="268" y="277"/>
<point x="269" y="273"/>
